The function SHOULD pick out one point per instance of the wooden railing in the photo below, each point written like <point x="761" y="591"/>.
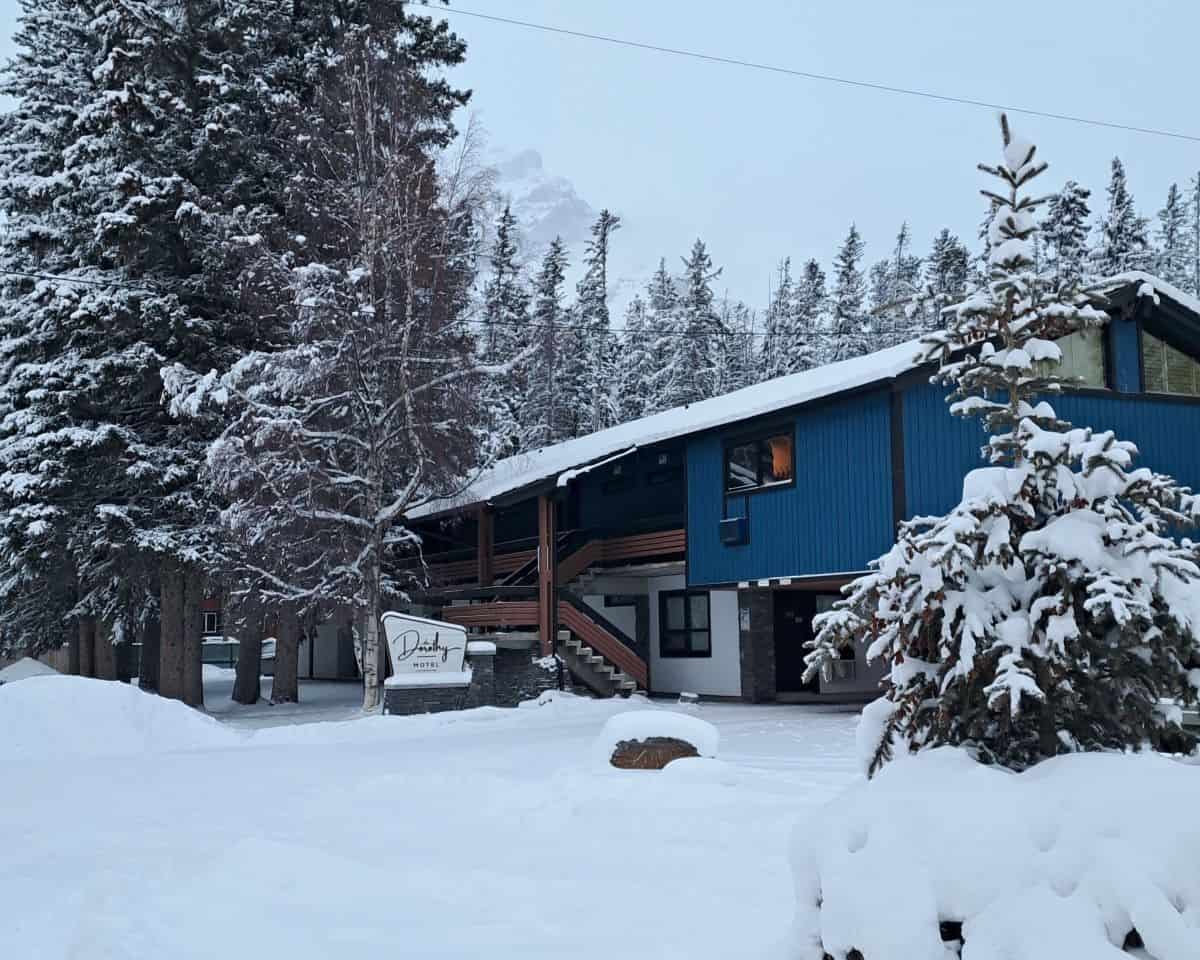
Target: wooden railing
<point x="499" y="613"/>
<point x="665" y="543"/>
<point x="604" y="643"/>
<point x="573" y="617"/>
<point x="457" y="571"/>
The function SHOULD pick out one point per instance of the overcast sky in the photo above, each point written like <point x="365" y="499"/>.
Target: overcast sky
<point x="763" y="166"/>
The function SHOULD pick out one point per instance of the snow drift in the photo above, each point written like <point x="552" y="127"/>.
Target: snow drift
<point x="64" y="716"/>
<point x="25" y="668"/>
<point x="1067" y="859"/>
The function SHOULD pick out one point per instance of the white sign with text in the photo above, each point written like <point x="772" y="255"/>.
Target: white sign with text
<point x="420" y="646"/>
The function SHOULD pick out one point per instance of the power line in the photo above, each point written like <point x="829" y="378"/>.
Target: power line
<point x="823" y="77"/>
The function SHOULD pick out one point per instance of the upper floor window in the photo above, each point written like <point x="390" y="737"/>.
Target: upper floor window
<point x="212" y="623"/>
<point x="1168" y="370"/>
<point x="1082" y="358"/>
<point x="763" y="462"/>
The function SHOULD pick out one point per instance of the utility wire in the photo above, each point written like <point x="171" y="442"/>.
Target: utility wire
<point x="822" y="77"/>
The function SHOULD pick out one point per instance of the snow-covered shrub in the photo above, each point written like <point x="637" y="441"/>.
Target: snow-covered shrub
<point x="1051" y="610"/>
<point x="939" y="856"/>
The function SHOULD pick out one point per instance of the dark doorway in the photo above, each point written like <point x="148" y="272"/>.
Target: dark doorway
<point x="794" y="610"/>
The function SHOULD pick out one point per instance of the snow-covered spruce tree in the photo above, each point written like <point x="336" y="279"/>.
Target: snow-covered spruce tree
<point x="779" y="326"/>
<point x="1065" y="232"/>
<point x="662" y="299"/>
<point x="736" y="356"/>
<point x="366" y="410"/>
<point x="635" y="370"/>
<point x="1050" y="611"/>
<point x="893" y="283"/>
<point x="1124" y="244"/>
<point x="812" y="303"/>
<point x="596" y="375"/>
<point x="1173" y="254"/>
<point x="505" y="335"/>
<point x="691" y="373"/>
<point x="1194" y="234"/>
<point x="849" y="334"/>
<point x="546" y="414"/>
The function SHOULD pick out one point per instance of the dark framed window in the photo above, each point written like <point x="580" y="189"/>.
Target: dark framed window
<point x="760" y="463"/>
<point x="684" y="628"/>
<point x="619" y="478"/>
<point x="211" y="624"/>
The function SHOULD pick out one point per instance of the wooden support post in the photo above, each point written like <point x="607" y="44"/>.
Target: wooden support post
<point x="547" y="575"/>
<point x="484" y="519"/>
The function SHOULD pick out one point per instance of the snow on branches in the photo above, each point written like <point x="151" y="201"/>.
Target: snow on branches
<point x="1052" y="610"/>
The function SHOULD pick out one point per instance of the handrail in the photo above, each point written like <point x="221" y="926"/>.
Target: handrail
<point x="603" y="637"/>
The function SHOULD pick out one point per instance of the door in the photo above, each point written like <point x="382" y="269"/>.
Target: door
<point x="794" y="611"/>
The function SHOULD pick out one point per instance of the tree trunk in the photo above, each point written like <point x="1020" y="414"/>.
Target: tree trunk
<point x="73" y="651"/>
<point x="247" y="686"/>
<point x="87" y="647"/>
<point x="105" y="656"/>
<point x="148" y="667"/>
<point x="193" y="640"/>
<point x="285" y="687"/>
<point x="170" y="645"/>
<point x="370" y="655"/>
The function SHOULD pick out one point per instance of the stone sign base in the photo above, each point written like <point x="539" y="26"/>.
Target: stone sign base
<point x="494" y="675"/>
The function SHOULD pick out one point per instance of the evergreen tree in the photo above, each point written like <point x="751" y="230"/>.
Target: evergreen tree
<point x="780" y="331"/>
<point x="1048" y="612"/>
<point x="662" y="299"/>
<point x="1194" y="232"/>
<point x="850" y="337"/>
<point x="547" y="417"/>
<point x="737" y="365"/>
<point x="505" y="339"/>
<point x="1065" y="232"/>
<point x="635" y="366"/>
<point x="812" y="305"/>
<point x="1175" y="249"/>
<point x="692" y="373"/>
<point x="595" y="360"/>
<point x="1123" y="241"/>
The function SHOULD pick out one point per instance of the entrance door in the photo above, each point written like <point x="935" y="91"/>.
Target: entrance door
<point x="794" y="610"/>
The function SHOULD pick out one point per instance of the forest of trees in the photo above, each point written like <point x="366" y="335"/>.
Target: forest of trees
<point x="680" y="342"/>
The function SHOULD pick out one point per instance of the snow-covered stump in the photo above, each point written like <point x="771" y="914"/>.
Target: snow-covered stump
<point x="1084" y="855"/>
<point x="653" y="739"/>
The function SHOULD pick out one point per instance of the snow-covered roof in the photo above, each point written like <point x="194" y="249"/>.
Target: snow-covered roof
<point x="1149" y="285"/>
<point x="571" y="458"/>
<point x="537" y="466"/>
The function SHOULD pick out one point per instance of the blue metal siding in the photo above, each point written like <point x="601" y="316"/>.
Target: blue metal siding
<point x="1126" y="356"/>
<point x="836" y="518"/>
<point x="940" y="449"/>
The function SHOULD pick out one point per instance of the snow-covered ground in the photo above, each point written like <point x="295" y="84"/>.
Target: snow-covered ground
<point x="485" y="833"/>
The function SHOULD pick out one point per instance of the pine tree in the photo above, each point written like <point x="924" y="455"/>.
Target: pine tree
<point x="779" y="334"/>
<point x="547" y="416"/>
<point x="692" y="373"/>
<point x="850" y="337"/>
<point x="635" y="366"/>
<point x="1123" y="241"/>
<point x="1045" y="613"/>
<point x="1065" y="232"/>
<point x="662" y="299"/>
<point x="595" y="366"/>
<point x="505" y="338"/>
<point x="812" y="306"/>
<point x="1194" y="232"/>
<point x="736" y="365"/>
<point x="1174" y="253"/>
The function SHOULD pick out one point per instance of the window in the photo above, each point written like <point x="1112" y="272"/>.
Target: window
<point x="618" y="479"/>
<point x="683" y="624"/>
<point x="765" y="462"/>
<point x="1083" y="357"/>
<point x="1168" y="370"/>
<point x="212" y="623"/>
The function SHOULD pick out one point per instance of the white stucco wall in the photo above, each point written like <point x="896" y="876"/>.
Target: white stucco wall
<point x="718" y="675"/>
<point x="623" y="617"/>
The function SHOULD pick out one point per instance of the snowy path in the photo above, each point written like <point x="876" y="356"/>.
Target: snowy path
<point x="483" y="833"/>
